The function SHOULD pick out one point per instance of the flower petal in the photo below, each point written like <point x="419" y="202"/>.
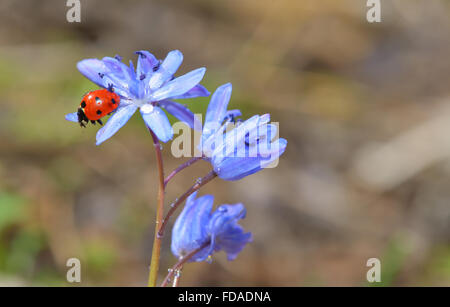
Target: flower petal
<point x="146" y="63"/>
<point x="235" y="168"/>
<point x="225" y="231"/>
<point x="117" y="67"/>
<point x="133" y="72"/>
<point x="106" y="72"/>
<point x="166" y="70"/>
<point x="121" y="76"/>
<point x="216" y="110"/>
<point x="115" y="122"/>
<point x="233" y="241"/>
<point x="232" y="114"/>
<point x="235" y="139"/>
<point x="190" y="229"/>
<point x="225" y="214"/>
<point x="157" y="120"/>
<point x="92" y="69"/>
<point x="182" y="113"/>
<point x="179" y="85"/>
<point x="272" y="151"/>
<point x="197" y="91"/>
<point x="73" y="117"/>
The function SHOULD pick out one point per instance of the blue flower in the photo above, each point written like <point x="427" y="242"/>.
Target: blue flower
<point x="148" y="87"/>
<point x="237" y="149"/>
<point x="197" y="226"/>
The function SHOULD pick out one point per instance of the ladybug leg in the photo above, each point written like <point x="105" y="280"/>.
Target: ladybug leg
<point x="110" y="87"/>
<point x="100" y="122"/>
<point x="93" y="122"/>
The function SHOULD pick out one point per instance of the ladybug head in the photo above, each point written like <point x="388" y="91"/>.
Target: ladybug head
<point x="82" y="117"/>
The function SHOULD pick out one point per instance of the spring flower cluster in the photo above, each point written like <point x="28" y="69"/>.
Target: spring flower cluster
<point x="235" y="148"/>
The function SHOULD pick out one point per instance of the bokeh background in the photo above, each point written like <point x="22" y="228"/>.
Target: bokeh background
<point x="365" y="108"/>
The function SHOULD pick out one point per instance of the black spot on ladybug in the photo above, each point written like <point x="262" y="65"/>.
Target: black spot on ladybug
<point x="99" y="112"/>
<point x="113" y="101"/>
<point x="98" y="100"/>
<point x="83" y="104"/>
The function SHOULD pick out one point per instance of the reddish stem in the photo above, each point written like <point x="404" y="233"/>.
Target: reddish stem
<point x="201" y="182"/>
<point x="180" y="168"/>
<point x="179" y="265"/>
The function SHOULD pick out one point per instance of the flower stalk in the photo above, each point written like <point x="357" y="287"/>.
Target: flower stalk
<point x="180" y="168"/>
<point x="179" y="265"/>
<point x="156" y="251"/>
<point x="198" y="184"/>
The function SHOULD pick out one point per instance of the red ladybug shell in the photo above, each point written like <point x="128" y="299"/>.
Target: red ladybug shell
<point x="99" y="103"/>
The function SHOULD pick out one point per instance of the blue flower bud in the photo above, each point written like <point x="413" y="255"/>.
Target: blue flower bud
<point x="197" y="226"/>
<point x="243" y="150"/>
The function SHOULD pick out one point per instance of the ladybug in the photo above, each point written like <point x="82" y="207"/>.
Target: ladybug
<point x="96" y="104"/>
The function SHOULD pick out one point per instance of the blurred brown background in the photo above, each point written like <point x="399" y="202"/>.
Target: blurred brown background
<point x="365" y="108"/>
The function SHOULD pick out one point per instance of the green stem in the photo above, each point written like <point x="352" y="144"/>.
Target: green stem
<point x="156" y="251"/>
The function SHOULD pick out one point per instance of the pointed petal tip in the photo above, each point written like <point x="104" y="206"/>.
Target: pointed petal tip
<point x="174" y="56"/>
<point x="176" y="52"/>
<point x="201" y="90"/>
<point x="179" y="85"/>
<point x="265" y="118"/>
<point x="72" y="117"/>
<point x="202" y="69"/>
<point x="282" y="144"/>
<point x="226" y="86"/>
<point x="224" y="90"/>
<point x="145" y="53"/>
<point x="98" y="137"/>
<point x="191" y="197"/>
<point x="88" y="62"/>
<point x="197" y="91"/>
